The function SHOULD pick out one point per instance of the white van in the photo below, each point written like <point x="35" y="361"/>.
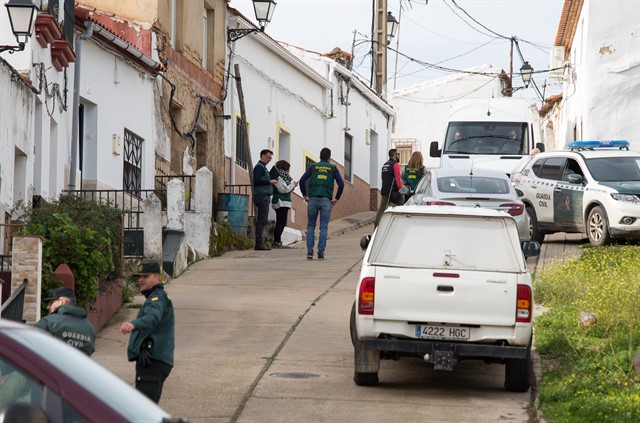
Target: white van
<point x="493" y="133"/>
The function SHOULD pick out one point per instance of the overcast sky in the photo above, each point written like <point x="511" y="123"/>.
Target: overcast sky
<point x="439" y="32"/>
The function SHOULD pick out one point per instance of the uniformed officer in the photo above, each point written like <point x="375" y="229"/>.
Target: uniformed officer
<point x="152" y="339"/>
<point x="68" y="322"/>
<point x="321" y="177"/>
<point x="391" y="184"/>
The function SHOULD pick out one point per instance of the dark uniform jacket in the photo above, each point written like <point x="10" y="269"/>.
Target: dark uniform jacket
<point x="155" y="321"/>
<point x="388" y="177"/>
<point x="261" y="180"/>
<point x="70" y="324"/>
<point x="321" y="177"/>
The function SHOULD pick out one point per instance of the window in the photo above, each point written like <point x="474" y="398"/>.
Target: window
<point x="241" y="152"/>
<point x="348" y="148"/>
<point x="132" y="178"/>
<point x="308" y="161"/>
<point x="552" y="168"/>
<point x="15" y="386"/>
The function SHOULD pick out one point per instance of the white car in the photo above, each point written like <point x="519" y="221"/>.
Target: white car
<point x="593" y="188"/>
<point x="444" y="284"/>
<point x="485" y="188"/>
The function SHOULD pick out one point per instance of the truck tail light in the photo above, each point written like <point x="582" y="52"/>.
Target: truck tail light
<point x="365" y="296"/>
<point x="439" y="203"/>
<point x="524" y="304"/>
<point x="514" y="209"/>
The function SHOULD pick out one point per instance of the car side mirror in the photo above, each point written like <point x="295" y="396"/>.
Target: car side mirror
<point x="434" y="151"/>
<point x="540" y="146"/>
<point x="574" y="178"/>
<point x="519" y="192"/>
<point x="364" y="242"/>
<point x="22" y="412"/>
<point x="530" y="248"/>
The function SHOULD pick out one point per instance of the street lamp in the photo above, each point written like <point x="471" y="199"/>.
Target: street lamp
<point x="525" y="71"/>
<point x="392" y="27"/>
<point x="264" y="11"/>
<point x="21" y="16"/>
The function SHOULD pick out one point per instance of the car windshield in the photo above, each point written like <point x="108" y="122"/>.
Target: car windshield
<point x="614" y="169"/>
<point x="96" y="379"/>
<point x="473" y="184"/>
<point x="499" y="138"/>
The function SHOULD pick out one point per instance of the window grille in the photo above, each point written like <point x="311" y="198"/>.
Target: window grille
<point x="132" y="181"/>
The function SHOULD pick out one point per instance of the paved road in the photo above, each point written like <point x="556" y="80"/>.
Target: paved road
<point x="264" y="337"/>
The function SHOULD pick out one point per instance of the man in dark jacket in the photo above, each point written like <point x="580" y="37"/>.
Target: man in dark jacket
<point x="152" y="339"/>
<point x="317" y="185"/>
<point x="262" y="190"/>
<point x="391" y="184"/>
<point x="68" y="322"/>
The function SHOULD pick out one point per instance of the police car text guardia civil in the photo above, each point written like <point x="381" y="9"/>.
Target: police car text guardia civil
<point x="593" y="188"/>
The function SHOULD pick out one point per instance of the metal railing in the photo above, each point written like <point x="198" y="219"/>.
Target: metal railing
<point x="131" y="205"/>
<point x="189" y="182"/>
<point x="13" y="308"/>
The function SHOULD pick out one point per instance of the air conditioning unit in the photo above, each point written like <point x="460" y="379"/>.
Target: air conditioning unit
<point x="557" y="63"/>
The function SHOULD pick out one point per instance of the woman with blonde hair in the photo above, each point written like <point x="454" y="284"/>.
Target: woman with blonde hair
<point x="412" y="174"/>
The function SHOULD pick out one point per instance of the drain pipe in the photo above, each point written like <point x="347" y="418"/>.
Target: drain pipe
<point x="76" y="105"/>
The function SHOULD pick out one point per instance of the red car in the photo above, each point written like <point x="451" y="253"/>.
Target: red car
<point x="42" y="379"/>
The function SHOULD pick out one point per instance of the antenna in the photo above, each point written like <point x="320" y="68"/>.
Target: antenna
<point x="471" y="170"/>
<point x="489" y="107"/>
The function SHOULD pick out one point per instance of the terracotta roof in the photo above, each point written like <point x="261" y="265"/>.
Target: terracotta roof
<point x="549" y="102"/>
<point x="131" y="39"/>
<point x="568" y="24"/>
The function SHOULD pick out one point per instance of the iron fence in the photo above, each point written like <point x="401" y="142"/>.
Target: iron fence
<point x="13" y="308"/>
<point x="189" y="182"/>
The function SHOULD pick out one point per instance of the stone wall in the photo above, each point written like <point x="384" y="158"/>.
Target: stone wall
<point x="27" y="264"/>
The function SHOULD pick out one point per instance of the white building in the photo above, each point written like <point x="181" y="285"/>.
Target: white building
<point x="422" y="109"/>
<point x="298" y="102"/>
<point x="598" y="45"/>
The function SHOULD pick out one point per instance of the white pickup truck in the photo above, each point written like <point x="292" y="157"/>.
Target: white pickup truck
<point x="444" y="284"/>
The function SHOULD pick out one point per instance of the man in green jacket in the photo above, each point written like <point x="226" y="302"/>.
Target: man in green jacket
<point x="68" y="322"/>
<point x="152" y="339"/>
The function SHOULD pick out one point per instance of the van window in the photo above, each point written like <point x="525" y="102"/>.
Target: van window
<point x="487" y="138"/>
<point x="447" y="242"/>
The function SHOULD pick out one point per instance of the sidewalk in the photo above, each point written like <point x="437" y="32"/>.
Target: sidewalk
<point x="248" y="316"/>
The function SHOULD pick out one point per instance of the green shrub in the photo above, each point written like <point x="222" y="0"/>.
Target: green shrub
<point x="587" y="370"/>
<point x="85" y="235"/>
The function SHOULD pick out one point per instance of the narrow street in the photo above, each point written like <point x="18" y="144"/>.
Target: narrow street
<point x="264" y="337"/>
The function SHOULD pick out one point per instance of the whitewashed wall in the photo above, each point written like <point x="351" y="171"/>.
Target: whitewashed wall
<point x="423" y="109"/>
<point x="601" y="93"/>
<point x="283" y="93"/>
<point x="17" y="104"/>
<point x="116" y="96"/>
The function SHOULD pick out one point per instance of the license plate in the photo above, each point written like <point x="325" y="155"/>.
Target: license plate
<point x="449" y="333"/>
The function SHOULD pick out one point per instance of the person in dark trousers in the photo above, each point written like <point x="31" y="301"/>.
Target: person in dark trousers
<point x="152" y="339"/>
<point x="68" y="322"/>
<point x="391" y="184"/>
<point x="281" y="200"/>
<point x="320" y="177"/>
<point x="262" y="190"/>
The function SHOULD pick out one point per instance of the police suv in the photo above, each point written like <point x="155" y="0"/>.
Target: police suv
<point x="593" y="188"/>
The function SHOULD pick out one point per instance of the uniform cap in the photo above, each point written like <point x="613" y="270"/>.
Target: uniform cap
<point x="147" y="267"/>
<point x="56" y="293"/>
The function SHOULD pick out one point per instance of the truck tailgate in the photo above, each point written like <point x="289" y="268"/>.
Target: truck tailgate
<point x="445" y="296"/>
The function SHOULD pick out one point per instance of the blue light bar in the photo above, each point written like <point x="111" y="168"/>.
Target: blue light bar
<point x="599" y="144"/>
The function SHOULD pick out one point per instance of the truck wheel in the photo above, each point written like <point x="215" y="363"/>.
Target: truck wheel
<point x="352" y="325"/>
<point x="598" y="227"/>
<point x="534" y="233"/>
<point x="366" y="379"/>
<point x="517" y="377"/>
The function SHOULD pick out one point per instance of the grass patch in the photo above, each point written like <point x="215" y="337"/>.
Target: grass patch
<point x="588" y="375"/>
